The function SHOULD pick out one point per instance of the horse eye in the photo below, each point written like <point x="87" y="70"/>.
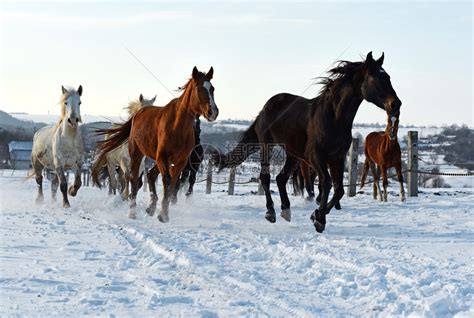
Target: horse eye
<point x="65" y="103"/>
<point x="80" y="103"/>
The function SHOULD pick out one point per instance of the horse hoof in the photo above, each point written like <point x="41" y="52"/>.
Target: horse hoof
<point x="132" y="215"/>
<point x="337" y="206"/>
<point x="188" y="194"/>
<point x="286" y="214"/>
<point x="319" y="226"/>
<point x="39" y="200"/>
<point x="150" y="211"/>
<point x="66" y="205"/>
<point x="174" y="200"/>
<point x="270" y="216"/>
<point x="310" y="198"/>
<point x="163" y="218"/>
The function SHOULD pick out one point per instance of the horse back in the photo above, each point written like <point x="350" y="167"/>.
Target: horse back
<point x="379" y="148"/>
<point x="284" y="120"/>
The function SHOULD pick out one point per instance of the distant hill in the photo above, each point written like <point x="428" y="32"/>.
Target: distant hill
<point x="10" y="123"/>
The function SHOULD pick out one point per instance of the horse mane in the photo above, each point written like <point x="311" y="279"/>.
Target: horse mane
<point x="132" y="107"/>
<point x="338" y="76"/>
<point x="185" y="86"/>
<point x="135" y="105"/>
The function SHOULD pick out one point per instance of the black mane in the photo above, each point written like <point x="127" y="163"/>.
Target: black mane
<point x="338" y="75"/>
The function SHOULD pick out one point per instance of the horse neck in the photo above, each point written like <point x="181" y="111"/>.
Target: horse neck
<point x="346" y="104"/>
<point x="185" y="106"/>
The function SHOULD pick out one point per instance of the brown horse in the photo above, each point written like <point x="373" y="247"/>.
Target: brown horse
<point x="382" y="151"/>
<point x="317" y="131"/>
<point x="165" y="134"/>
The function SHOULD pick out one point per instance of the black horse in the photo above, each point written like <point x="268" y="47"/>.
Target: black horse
<point x="317" y="131"/>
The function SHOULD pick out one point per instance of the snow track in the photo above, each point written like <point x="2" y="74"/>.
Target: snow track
<point x="219" y="257"/>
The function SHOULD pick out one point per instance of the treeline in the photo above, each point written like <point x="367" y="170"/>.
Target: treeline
<point x="456" y="144"/>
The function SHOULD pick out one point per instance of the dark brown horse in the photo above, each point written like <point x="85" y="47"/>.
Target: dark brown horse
<point x="165" y="134"/>
<point x="317" y="131"/>
<point x="382" y="151"/>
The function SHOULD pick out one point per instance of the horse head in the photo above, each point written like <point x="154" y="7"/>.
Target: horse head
<point x="71" y="103"/>
<point x="392" y="127"/>
<point x="205" y="94"/>
<point x="377" y="88"/>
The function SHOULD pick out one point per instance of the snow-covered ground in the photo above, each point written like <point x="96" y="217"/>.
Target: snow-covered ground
<point x="219" y="257"/>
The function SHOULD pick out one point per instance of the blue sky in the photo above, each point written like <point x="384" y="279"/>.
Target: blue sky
<point x="257" y="50"/>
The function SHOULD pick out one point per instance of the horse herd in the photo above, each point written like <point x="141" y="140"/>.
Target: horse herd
<point x="315" y="134"/>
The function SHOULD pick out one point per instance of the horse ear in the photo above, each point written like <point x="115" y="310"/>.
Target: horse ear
<point x="153" y="99"/>
<point x="210" y="73"/>
<point x="79" y="90"/>
<point x="195" y="73"/>
<point x="141" y="98"/>
<point x="369" y="58"/>
<point x="64" y="90"/>
<point x="380" y="60"/>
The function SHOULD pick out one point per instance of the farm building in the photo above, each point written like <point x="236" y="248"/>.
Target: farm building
<point x="20" y="154"/>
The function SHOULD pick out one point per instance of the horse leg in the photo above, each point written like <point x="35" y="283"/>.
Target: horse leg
<point x="282" y="178"/>
<point x="77" y="181"/>
<point x="308" y="183"/>
<point x="152" y="175"/>
<point x="54" y="187"/>
<point x="319" y="215"/>
<point x="376" y="176"/>
<point x="174" y="194"/>
<point x="126" y="185"/>
<point x="320" y="191"/>
<point x="169" y="177"/>
<point x="191" y="180"/>
<point x="112" y="179"/>
<point x="337" y="173"/>
<point x="265" y="154"/>
<point x="135" y="161"/>
<point x="63" y="186"/>
<point x="398" y="167"/>
<point x="38" y="168"/>
<point x="384" y="182"/>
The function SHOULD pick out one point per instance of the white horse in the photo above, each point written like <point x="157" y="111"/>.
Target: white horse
<point x="59" y="147"/>
<point x="120" y="156"/>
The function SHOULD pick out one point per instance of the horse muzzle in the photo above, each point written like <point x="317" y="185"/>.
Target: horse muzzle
<point x="73" y="122"/>
<point x="212" y="114"/>
<point x="392" y="105"/>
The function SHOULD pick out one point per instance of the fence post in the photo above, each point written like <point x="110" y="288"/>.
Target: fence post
<point x="353" y="161"/>
<point x="209" y="177"/>
<point x="230" y="190"/>
<point x="145" y="180"/>
<point x="412" y="181"/>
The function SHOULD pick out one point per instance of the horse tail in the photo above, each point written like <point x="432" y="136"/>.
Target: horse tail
<point x="240" y="152"/>
<point x="365" y="172"/>
<point x="31" y="173"/>
<point x="116" y="136"/>
<point x="297" y="183"/>
<point x="97" y="169"/>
